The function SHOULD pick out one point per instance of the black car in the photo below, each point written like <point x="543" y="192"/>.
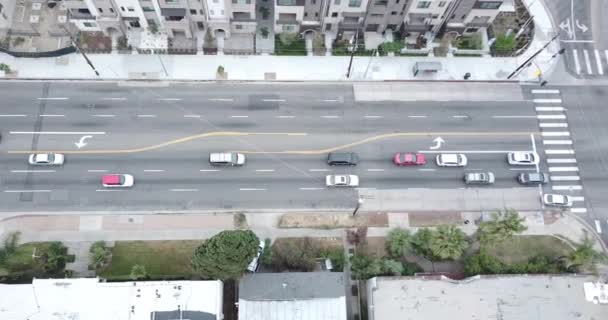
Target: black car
<point x="533" y="178"/>
<point x="342" y="159"/>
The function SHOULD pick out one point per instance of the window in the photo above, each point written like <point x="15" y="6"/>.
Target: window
<point x="212" y="13"/>
<point x="337" y="2"/>
<point x="238" y="1"/>
<point x="238" y="27"/>
<point x="201" y="12"/>
<point x="380" y="2"/>
<point x="193" y="12"/>
<point x="100" y="10"/>
<point x="122" y="8"/>
<point x="441" y="4"/>
<point x="334" y="14"/>
<point x="89" y="24"/>
<point x="288" y="28"/>
<point x="316" y="14"/>
<point x="394" y="13"/>
<point x="200" y="25"/>
<point x="305" y="14"/>
<point x="435" y="16"/>
<point x="147" y="9"/>
<point x="112" y="10"/>
<point x="423" y="4"/>
<point x="492" y="5"/>
<point x="131" y="9"/>
<point x="134" y="24"/>
<point x="354" y="3"/>
<point x="286" y="2"/>
<point x="396" y="1"/>
<point x="377" y="15"/>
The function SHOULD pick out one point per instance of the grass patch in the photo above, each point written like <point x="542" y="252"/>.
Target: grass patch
<point x="289" y="45"/>
<point x="22" y="259"/>
<point x="162" y="259"/>
<point x="521" y="248"/>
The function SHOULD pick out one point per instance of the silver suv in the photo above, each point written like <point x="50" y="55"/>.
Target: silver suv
<point x="479" y="178"/>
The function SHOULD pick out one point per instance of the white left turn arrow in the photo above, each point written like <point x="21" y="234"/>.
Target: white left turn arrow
<point x="81" y="143"/>
<point x="438" y="141"/>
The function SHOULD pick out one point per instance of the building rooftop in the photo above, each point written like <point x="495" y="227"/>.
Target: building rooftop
<point x="503" y="297"/>
<point x="89" y="299"/>
<point x="292" y="296"/>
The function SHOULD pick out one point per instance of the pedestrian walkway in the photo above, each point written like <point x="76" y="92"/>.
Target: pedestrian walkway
<point x="588" y="61"/>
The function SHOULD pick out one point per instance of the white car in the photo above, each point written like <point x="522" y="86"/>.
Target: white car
<point x="46" y="159"/>
<point x="342" y="181"/>
<point x="117" y="180"/>
<point x="253" y="265"/>
<point x="557" y="200"/>
<point x="520" y="158"/>
<point x="451" y="160"/>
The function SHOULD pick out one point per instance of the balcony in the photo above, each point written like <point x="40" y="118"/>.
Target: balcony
<point x="80" y="14"/>
<point x="242" y="17"/>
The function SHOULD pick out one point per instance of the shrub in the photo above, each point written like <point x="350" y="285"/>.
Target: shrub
<point x="505" y="44"/>
<point x="293" y="255"/>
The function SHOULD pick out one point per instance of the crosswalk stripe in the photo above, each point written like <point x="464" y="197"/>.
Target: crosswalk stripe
<point x="598" y="226"/>
<point x="578" y="210"/>
<point x="555" y="151"/>
<point x="577" y="198"/>
<point x="570" y="188"/>
<point x="555" y="134"/>
<point x="558" y="142"/>
<point x="550" y="116"/>
<point x="553" y="125"/>
<point x="565" y="178"/>
<point x="550" y="109"/>
<point x="547" y="100"/>
<point x="577" y="64"/>
<point x="561" y="160"/>
<point x="563" y="169"/>
<point x="600" y="70"/>
<point x="587" y="62"/>
<point x="606" y="53"/>
<point x="547" y="91"/>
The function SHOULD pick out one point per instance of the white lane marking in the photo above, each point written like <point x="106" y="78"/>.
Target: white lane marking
<point x="512" y="117"/>
<point x="209" y="170"/>
<point x="534" y="149"/>
<point x="471" y="151"/>
<point x="587" y="62"/>
<point x="546" y="91"/>
<point x="146" y="116"/>
<point x="293" y="134"/>
<point x="372" y="117"/>
<point x="427" y="169"/>
<point x="154" y="170"/>
<point x="569" y="188"/>
<point x="104" y="115"/>
<point x="58" y="98"/>
<point x="312" y="188"/>
<point x="319" y="170"/>
<point x="555" y="151"/>
<point x="115" y="99"/>
<point x="192" y="116"/>
<point x="598" y="226"/>
<point x="563" y="169"/>
<point x="52" y="115"/>
<point x="598" y="60"/>
<point x="460" y="116"/>
<point x="109" y="190"/>
<point x="420" y="116"/>
<point x="169" y="99"/>
<point x="13" y="115"/>
<point x="251" y="189"/>
<point x="97" y="170"/>
<point x="57" y="132"/>
<point x="32" y="171"/>
<point x="578" y="210"/>
<point x="32" y="191"/>
<point x="550" y="116"/>
<point x="557" y="160"/>
<point x="606" y="53"/>
<point x="264" y="170"/>
<point x="273" y="100"/>
<point x="183" y="190"/>
<point x="555" y="134"/>
<point x="286" y="117"/>
<point x="375" y="170"/>
<point x="554" y="142"/>
<point x="239" y="116"/>
<point x="557" y="100"/>
<point x="577" y="64"/>
<point x="222" y="99"/>
<point x="549" y="108"/>
<point x="330" y="117"/>
<point x="553" y="125"/>
<point x="565" y="178"/>
<point x="522" y="169"/>
<point x="330" y="100"/>
<point x="577" y="199"/>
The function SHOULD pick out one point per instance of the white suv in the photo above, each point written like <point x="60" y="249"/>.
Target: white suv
<point x="520" y="158"/>
<point x="451" y="160"/>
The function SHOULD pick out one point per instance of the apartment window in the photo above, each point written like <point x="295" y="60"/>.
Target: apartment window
<point x="435" y="16"/>
<point x="286" y="2"/>
<point x="122" y="8"/>
<point x="238" y="26"/>
<point x="423" y="4"/>
<point x="305" y="14"/>
<point x="316" y="14"/>
<point x="131" y="9"/>
<point x="441" y="4"/>
<point x="377" y="15"/>
<point x="100" y="10"/>
<point x="193" y="12"/>
<point x="394" y="13"/>
<point x="354" y="3"/>
<point x="147" y="9"/>
<point x="381" y="2"/>
<point x="89" y="24"/>
<point x="239" y="1"/>
<point x="288" y="28"/>
<point x="212" y="13"/>
<point x="492" y="5"/>
<point x="112" y="10"/>
<point x="200" y="25"/>
<point x="201" y="12"/>
<point x="334" y="14"/>
<point x="337" y="2"/>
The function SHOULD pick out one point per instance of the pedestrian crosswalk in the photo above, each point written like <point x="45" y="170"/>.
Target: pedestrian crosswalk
<point x="559" y="151"/>
<point x="588" y="61"/>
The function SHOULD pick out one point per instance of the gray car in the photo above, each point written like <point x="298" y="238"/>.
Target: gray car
<point x="342" y="159"/>
<point x="533" y="178"/>
<point x="479" y="178"/>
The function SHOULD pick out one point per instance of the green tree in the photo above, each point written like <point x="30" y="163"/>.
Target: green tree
<point x="392" y="267"/>
<point x="138" y="272"/>
<point x="294" y="255"/>
<point x="55" y="257"/>
<point x="398" y="242"/>
<point x="99" y="255"/>
<point x="421" y="243"/>
<point x="483" y="263"/>
<point x="502" y="227"/>
<point x="364" y="267"/>
<point x="448" y="242"/>
<point x="336" y="256"/>
<point x="266" y="258"/>
<point x="505" y="44"/>
<point x="583" y="256"/>
<point x="225" y="255"/>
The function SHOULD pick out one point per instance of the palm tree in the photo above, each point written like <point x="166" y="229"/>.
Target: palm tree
<point x="398" y="242"/>
<point x="138" y="272"/>
<point x="448" y="242"/>
<point x="583" y="256"/>
<point x="502" y="227"/>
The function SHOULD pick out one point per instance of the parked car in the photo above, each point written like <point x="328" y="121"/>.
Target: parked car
<point x="521" y="158"/>
<point x="46" y="159"/>
<point x="451" y="160"/>
<point x="255" y="263"/>
<point x="533" y="178"/>
<point x="342" y="159"/>
<point x="479" y="178"/>
<point x="117" y="180"/>
<point x="557" y="200"/>
<point x="342" y="181"/>
<point x="409" y="159"/>
<point x="227" y="159"/>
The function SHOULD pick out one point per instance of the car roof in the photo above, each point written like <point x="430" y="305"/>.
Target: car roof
<point x="42" y="157"/>
<point x="522" y="155"/>
<point x="341" y="156"/>
<point x="449" y="157"/>
<point x="111" y="179"/>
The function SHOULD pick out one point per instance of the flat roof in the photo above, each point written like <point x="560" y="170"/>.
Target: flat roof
<point x="503" y="297"/>
<point x="90" y="299"/>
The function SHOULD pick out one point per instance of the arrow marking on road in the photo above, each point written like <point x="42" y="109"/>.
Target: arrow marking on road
<point x="581" y="26"/>
<point x="81" y="143"/>
<point x="566" y="26"/>
<point x="438" y="141"/>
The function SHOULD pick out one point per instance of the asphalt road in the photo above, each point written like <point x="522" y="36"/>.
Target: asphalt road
<point x="163" y="135"/>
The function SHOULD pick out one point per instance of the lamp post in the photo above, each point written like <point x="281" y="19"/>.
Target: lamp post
<point x="359" y="203"/>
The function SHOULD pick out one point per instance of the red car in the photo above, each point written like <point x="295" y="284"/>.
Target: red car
<point x="409" y="159"/>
